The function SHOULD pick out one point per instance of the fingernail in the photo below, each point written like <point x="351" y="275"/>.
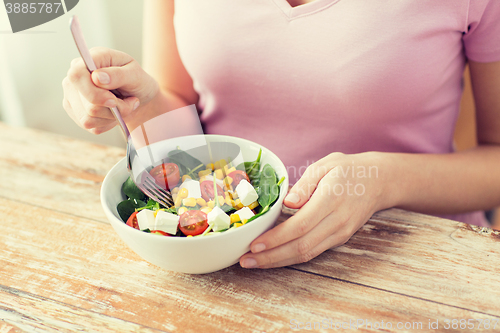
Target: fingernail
<point x="110" y="103"/>
<point x="136" y="105"/>
<point x="258" y="248"/>
<point x="292" y="198"/>
<point x="103" y="78"/>
<point x="249" y="263"/>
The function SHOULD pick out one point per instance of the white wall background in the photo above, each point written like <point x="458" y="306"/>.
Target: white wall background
<point x="33" y="63"/>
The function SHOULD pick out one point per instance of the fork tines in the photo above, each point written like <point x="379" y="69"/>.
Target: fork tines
<point x="156" y="193"/>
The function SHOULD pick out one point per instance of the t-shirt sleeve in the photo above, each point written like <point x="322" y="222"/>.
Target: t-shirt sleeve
<point x="482" y="38"/>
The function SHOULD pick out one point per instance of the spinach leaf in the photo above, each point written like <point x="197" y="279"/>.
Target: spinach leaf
<point x="268" y="189"/>
<point x="172" y="210"/>
<point x="262" y="212"/>
<point x="151" y="204"/>
<point x="127" y="207"/>
<point x="186" y="162"/>
<point x="252" y="169"/>
<point x="132" y="191"/>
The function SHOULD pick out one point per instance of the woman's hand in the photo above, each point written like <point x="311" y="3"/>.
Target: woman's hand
<point x="336" y="196"/>
<point x="87" y="97"/>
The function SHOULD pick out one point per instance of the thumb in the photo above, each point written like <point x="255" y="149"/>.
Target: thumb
<point x="122" y="77"/>
<point x="305" y="187"/>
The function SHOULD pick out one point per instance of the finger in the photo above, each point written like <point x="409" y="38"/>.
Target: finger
<point x="99" y="119"/>
<point x="330" y="242"/>
<point x="69" y="110"/>
<point x="80" y="78"/>
<point x="305" y="187"/>
<point x="127" y="106"/>
<point x="72" y="103"/>
<point x="301" y="249"/>
<point x="95" y="111"/>
<point x="124" y="77"/>
<point x="320" y="205"/>
<point x="106" y="57"/>
<point x="74" y="106"/>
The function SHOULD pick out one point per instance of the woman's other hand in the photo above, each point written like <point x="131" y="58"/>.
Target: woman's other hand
<point x="336" y="196"/>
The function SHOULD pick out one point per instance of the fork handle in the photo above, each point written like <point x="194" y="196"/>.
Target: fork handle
<point x="76" y="31"/>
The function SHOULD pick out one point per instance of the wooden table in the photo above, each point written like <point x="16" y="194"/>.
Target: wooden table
<point x="62" y="267"/>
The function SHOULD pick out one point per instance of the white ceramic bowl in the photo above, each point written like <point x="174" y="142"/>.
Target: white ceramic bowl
<point x="195" y="255"/>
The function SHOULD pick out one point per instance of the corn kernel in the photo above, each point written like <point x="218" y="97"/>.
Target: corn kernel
<point x="211" y="204"/>
<point x="183" y="193"/>
<point x="228" y="180"/>
<point x="230" y="170"/>
<point x="234" y="195"/>
<point x="244" y="221"/>
<point x="253" y="205"/>
<point x="234" y="218"/>
<point x="238" y="204"/>
<point x="219" y="174"/>
<point x="186" y="177"/>
<point x="189" y="202"/>
<point x="189" y="236"/>
<point x="178" y="201"/>
<point x="204" y="173"/>
<point x="221" y="200"/>
<point x="202" y="179"/>
<point x="181" y="211"/>
<point x="228" y="200"/>
<point x="175" y="190"/>
<point x="201" y="202"/>
<point x="206" y="209"/>
<point x="220" y="164"/>
<point x="237" y="225"/>
<point x="210" y="166"/>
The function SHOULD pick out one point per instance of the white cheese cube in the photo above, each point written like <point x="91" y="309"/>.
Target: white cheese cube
<point x="193" y="188"/>
<point x="246" y="192"/>
<point x="166" y="222"/>
<point x="218" y="219"/>
<point x="245" y="213"/>
<point x="146" y="219"/>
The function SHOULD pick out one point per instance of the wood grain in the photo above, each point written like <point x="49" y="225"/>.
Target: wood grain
<point x="82" y="263"/>
<point x="451" y="262"/>
<point x="64" y="268"/>
<point x="53" y="171"/>
<point x="24" y="312"/>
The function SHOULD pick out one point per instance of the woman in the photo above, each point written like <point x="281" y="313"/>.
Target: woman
<point x="365" y="94"/>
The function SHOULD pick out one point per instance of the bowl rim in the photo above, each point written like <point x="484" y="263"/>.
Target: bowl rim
<point x="117" y="222"/>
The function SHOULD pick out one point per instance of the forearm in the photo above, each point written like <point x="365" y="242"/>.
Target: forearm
<point x="443" y="183"/>
<point x="163" y="101"/>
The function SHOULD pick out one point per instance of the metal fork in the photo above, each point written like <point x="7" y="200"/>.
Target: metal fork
<point x="144" y="181"/>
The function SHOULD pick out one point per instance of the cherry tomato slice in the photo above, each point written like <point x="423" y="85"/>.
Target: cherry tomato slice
<point x="207" y="190"/>
<point x="166" y="175"/>
<point x="193" y="222"/>
<point x="132" y="221"/>
<point x="237" y="176"/>
<point x="159" y="232"/>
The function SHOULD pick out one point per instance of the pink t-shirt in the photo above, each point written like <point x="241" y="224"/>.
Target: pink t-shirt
<point x="335" y="75"/>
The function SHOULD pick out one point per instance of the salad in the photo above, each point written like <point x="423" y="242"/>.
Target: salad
<point x="208" y="198"/>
